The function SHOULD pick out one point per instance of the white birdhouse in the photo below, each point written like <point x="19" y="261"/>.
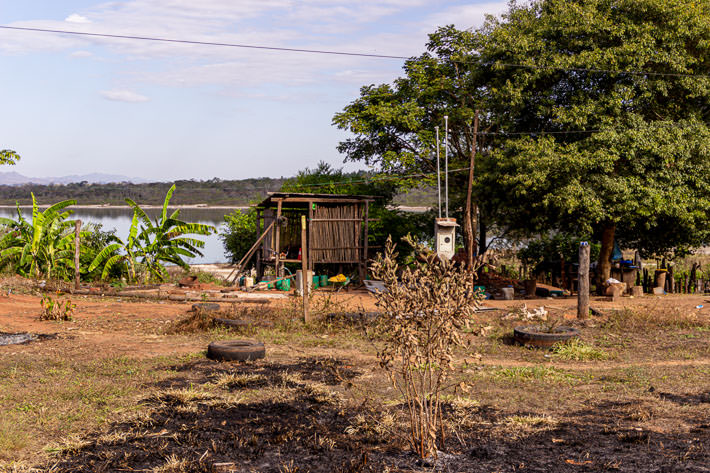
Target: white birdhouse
<point x="445" y="231"/>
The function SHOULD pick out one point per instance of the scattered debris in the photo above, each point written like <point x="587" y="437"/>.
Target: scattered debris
<point x="523" y="313"/>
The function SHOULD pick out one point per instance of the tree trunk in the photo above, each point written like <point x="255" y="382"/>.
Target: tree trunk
<point x="483" y="232"/>
<point x="468" y="217"/>
<point x="604" y="270"/>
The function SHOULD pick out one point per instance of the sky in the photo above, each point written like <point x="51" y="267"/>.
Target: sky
<point x="78" y="105"/>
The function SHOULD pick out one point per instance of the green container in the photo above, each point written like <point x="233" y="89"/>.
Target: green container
<point x="284" y="285"/>
<point x="316" y="282"/>
<point x="323" y="280"/>
<point x="268" y="286"/>
<point x="480" y="289"/>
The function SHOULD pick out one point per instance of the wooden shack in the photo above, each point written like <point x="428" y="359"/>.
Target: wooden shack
<point x="336" y="229"/>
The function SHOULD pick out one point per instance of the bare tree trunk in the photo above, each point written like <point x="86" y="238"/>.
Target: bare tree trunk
<point x="468" y="231"/>
<point x="605" y="255"/>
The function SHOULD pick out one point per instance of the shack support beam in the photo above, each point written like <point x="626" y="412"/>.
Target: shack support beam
<point x="277" y="238"/>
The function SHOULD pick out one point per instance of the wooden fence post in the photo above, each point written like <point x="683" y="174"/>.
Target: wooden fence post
<point x="583" y="281"/>
<point x="304" y="270"/>
<point x="77" y="252"/>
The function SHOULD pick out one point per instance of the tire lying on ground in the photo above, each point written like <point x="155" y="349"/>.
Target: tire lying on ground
<point x="205" y="307"/>
<point x="537" y="336"/>
<point x="236" y="350"/>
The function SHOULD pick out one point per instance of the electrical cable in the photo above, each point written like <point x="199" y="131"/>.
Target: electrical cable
<point x="346" y="53"/>
<point x="203" y="43"/>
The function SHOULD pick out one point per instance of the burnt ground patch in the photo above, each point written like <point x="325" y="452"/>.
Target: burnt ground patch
<point x="687" y="398"/>
<point x="21" y="338"/>
<point x="326" y="370"/>
<point x="278" y="417"/>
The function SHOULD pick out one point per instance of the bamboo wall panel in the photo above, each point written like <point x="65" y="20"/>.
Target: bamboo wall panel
<point x="337" y="237"/>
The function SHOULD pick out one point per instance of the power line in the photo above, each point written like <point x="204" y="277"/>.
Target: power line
<point x="541" y="132"/>
<point x="203" y="43"/>
<point x="346" y="53"/>
<point x="603" y="71"/>
<point x="376" y="179"/>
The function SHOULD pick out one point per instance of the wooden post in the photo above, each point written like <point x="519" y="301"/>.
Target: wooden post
<point x="304" y="269"/>
<point x="310" y="233"/>
<point x="468" y="230"/>
<point x="364" y="240"/>
<point x="583" y="282"/>
<point x="77" y="252"/>
<point x="277" y="239"/>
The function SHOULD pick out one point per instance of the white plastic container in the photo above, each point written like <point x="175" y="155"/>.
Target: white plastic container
<point x="508" y="293"/>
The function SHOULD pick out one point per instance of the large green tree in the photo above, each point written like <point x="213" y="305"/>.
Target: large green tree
<point x="603" y="108"/>
<point x="594" y="118"/>
<point x="393" y="126"/>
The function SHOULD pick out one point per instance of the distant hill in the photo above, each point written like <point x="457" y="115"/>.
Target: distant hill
<point x="188" y="192"/>
<point x="15" y="179"/>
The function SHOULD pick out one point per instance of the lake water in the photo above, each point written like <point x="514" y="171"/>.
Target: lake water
<point x="120" y="220"/>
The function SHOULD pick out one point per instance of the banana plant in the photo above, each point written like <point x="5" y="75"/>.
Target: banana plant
<point x="43" y="246"/>
<point x="118" y="252"/>
<point x="165" y="240"/>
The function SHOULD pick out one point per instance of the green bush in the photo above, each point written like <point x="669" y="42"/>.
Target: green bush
<point x="240" y="233"/>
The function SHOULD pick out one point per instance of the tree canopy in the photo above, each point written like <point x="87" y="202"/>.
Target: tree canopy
<point x="594" y="118"/>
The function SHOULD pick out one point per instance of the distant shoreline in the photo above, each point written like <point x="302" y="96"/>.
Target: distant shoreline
<point x="404" y="208"/>
<point x="109" y="207"/>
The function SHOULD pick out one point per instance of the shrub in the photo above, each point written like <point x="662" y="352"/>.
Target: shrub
<point x="56" y="309"/>
<point x="240" y="233"/>
<point x="424" y="311"/>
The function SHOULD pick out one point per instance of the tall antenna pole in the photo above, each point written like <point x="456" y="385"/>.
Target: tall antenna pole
<point x="446" y="163"/>
<point x="438" y="170"/>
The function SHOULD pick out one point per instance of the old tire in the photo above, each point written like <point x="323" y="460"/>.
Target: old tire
<point x="534" y="336"/>
<point x="236" y="350"/>
<point x="205" y="307"/>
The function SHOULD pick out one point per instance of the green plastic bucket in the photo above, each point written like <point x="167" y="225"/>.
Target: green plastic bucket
<point x="268" y="286"/>
<point x="284" y="285"/>
<point x="316" y="282"/>
<point x="323" y="281"/>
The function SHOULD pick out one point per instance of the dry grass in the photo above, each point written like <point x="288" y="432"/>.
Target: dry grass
<point x="529" y="422"/>
<point x="577" y="350"/>
<point x="196" y="321"/>
<point x="645" y="320"/>
<point x="53" y="402"/>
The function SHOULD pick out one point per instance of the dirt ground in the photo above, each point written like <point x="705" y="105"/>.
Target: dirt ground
<point x="115" y="390"/>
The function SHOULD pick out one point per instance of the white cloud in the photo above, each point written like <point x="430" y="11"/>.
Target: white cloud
<point x="465" y="16"/>
<point x="123" y="96"/>
<point x="393" y="27"/>
<point x="76" y="18"/>
<point x="81" y="54"/>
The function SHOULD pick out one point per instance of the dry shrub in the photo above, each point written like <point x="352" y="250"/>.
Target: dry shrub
<point x="424" y="309"/>
<point x="196" y="321"/>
